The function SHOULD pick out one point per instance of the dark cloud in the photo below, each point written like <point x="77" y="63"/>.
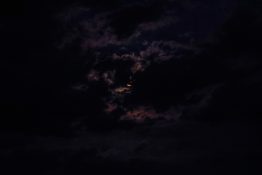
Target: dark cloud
<point x="150" y="87"/>
<point x="136" y="49"/>
<point x="181" y="147"/>
<point x="155" y="50"/>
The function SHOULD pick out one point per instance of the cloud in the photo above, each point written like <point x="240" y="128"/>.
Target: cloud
<point x="93" y="75"/>
<point x="110" y="107"/>
<point x="155" y="25"/>
<point x="127" y="42"/>
<point x="141" y="113"/>
<point x="96" y="29"/>
<point x="109" y="77"/>
<point x="139" y="63"/>
<point x="152" y="52"/>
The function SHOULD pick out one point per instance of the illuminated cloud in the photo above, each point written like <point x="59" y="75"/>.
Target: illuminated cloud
<point x="109" y="77"/>
<point x="110" y="107"/>
<point x="140" y="114"/>
<point x="93" y="75"/>
<point x="116" y="56"/>
<point x="138" y="67"/>
<point x="139" y="63"/>
<point x="150" y="52"/>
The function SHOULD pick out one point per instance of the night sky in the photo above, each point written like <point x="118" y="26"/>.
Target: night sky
<point x="131" y="87"/>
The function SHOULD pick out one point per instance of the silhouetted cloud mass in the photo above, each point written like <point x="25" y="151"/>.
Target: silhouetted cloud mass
<point x="131" y="87"/>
